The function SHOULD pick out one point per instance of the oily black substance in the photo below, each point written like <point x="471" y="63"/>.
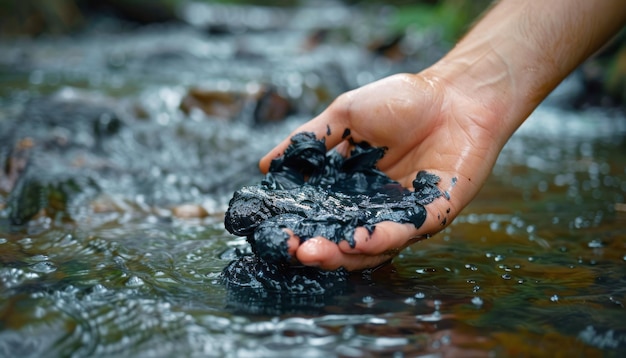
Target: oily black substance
<point x="315" y="193"/>
<point x="258" y="287"/>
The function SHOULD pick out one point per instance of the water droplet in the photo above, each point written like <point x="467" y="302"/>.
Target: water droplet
<point x="471" y="267"/>
<point x="134" y="281"/>
<point x="348" y="332"/>
<point x="506" y="276"/>
<point x="446" y="339"/>
<point x="420" y="295"/>
<point x="595" y="244"/>
<point x="579" y="222"/>
<point x="477" y="301"/>
<point x="98" y="288"/>
<point x="26" y="242"/>
<point x="368" y="300"/>
<point x="510" y="230"/>
<point x="554" y="298"/>
<point x="425" y="270"/>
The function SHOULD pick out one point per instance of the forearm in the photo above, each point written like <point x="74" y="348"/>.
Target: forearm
<point x="521" y="49"/>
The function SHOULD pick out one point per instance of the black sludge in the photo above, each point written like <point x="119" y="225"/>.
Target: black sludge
<point x="314" y="193"/>
<point x="256" y="286"/>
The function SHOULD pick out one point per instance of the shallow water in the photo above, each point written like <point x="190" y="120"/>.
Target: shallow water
<point x="536" y="265"/>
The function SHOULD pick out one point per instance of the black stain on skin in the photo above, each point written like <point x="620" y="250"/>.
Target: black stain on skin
<point x="328" y="130"/>
<point x="346" y="133"/>
<point x="315" y="193"/>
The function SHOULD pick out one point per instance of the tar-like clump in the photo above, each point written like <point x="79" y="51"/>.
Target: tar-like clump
<point x="313" y="193"/>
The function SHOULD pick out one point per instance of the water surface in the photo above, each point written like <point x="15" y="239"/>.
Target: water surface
<point x="130" y="266"/>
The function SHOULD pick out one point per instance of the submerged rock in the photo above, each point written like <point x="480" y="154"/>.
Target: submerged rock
<point x="314" y="193"/>
<point x="267" y="104"/>
<point x="44" y="151"/>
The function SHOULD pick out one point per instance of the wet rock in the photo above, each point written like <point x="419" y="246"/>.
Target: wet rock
<point x="15" y="161"/>
<point x="52" y="196"/>
<point x="389" y="47"/>
<point x="267" y="104"/>
<point x="271" y="106"/>
<point x="26" y="201"/>
<point x="43" y="150"/>
<point x="212" y="102"/>
<point x="188" y="211"/>
<point x="314" y="194"/>
<point x="69" y="118"/>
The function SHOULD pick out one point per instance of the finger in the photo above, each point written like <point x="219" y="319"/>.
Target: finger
<point x="388" y="238"/>
<point x="293" y="242"/>
<point x="343" y="149"/>
<point x="328" y="125"/>
<point x="325" y="254"/>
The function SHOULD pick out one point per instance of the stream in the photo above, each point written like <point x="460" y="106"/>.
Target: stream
<point x="121" y="146"/>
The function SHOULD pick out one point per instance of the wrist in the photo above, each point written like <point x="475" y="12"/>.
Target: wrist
<point x="521" y="50"/>
<point x="487" y="88"/>
<point x="500" y="76"/>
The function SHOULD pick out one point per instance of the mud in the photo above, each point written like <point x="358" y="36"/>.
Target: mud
<point x="315" y="193"/>
<point x="252" y="273"/>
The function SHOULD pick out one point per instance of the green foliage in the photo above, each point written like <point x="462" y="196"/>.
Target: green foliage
<point x="453" y="17"/>
<point x="256" y="2"/>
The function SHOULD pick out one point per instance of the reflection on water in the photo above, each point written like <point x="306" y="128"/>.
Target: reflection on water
<point x="124" y="244"/>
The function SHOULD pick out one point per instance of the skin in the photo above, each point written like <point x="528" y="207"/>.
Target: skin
<point x="453" y="118"/>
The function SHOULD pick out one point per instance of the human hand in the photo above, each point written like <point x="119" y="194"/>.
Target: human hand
<point x="426" y="124"/>
<point x="453" y="118"/>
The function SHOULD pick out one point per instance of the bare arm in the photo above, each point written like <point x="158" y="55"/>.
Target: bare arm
<point x="453" y="118"/>
<point x="521" y="50"/>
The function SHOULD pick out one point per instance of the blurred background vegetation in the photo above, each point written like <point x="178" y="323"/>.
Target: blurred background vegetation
<point x="37" y="17"/>
<point x="604" y="76"/>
